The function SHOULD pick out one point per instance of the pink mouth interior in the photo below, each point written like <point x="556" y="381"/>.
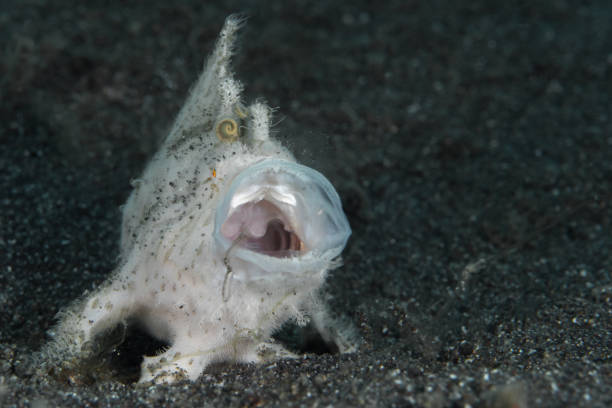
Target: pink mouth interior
<point x="262" y="227"/>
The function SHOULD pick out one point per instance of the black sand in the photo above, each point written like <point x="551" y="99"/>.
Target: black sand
<point x="470" y="142"/>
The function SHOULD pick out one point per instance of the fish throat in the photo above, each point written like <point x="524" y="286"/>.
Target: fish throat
<point x="262" y="227"/>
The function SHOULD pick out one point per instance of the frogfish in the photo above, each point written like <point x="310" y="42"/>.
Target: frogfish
<point x="224" y="238"/>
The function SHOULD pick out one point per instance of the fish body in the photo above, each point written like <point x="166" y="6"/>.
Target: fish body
<point x="224" y="238"/>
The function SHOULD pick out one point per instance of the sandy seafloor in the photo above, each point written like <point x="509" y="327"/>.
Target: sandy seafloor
<point x="470" y="142"/>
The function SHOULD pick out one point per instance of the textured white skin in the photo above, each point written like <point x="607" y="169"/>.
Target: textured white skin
<point x="174" y="262"/>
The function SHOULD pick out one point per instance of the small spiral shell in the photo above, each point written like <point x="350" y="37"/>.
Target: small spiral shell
<point x="227" y="130"/>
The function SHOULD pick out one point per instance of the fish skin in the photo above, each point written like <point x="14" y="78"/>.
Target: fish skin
<point x="209" y="302"/>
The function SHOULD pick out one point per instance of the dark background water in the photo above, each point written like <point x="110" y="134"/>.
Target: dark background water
<point x="470" y="142"/>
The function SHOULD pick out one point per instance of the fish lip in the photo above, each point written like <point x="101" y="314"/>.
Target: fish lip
<point x="312" y="184"/>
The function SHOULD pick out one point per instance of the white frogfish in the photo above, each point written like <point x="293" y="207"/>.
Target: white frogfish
<point x="224" y="238"/>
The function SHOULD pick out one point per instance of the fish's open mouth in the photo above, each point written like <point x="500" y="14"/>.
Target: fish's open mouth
<point x="280" y="216"/>
<point x="262" y="227"/>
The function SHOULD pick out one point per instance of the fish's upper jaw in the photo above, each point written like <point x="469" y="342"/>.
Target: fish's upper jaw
<point x="280" y="217"/>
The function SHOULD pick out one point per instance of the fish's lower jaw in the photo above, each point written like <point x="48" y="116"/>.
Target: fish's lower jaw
<point x="262" y="271"/>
